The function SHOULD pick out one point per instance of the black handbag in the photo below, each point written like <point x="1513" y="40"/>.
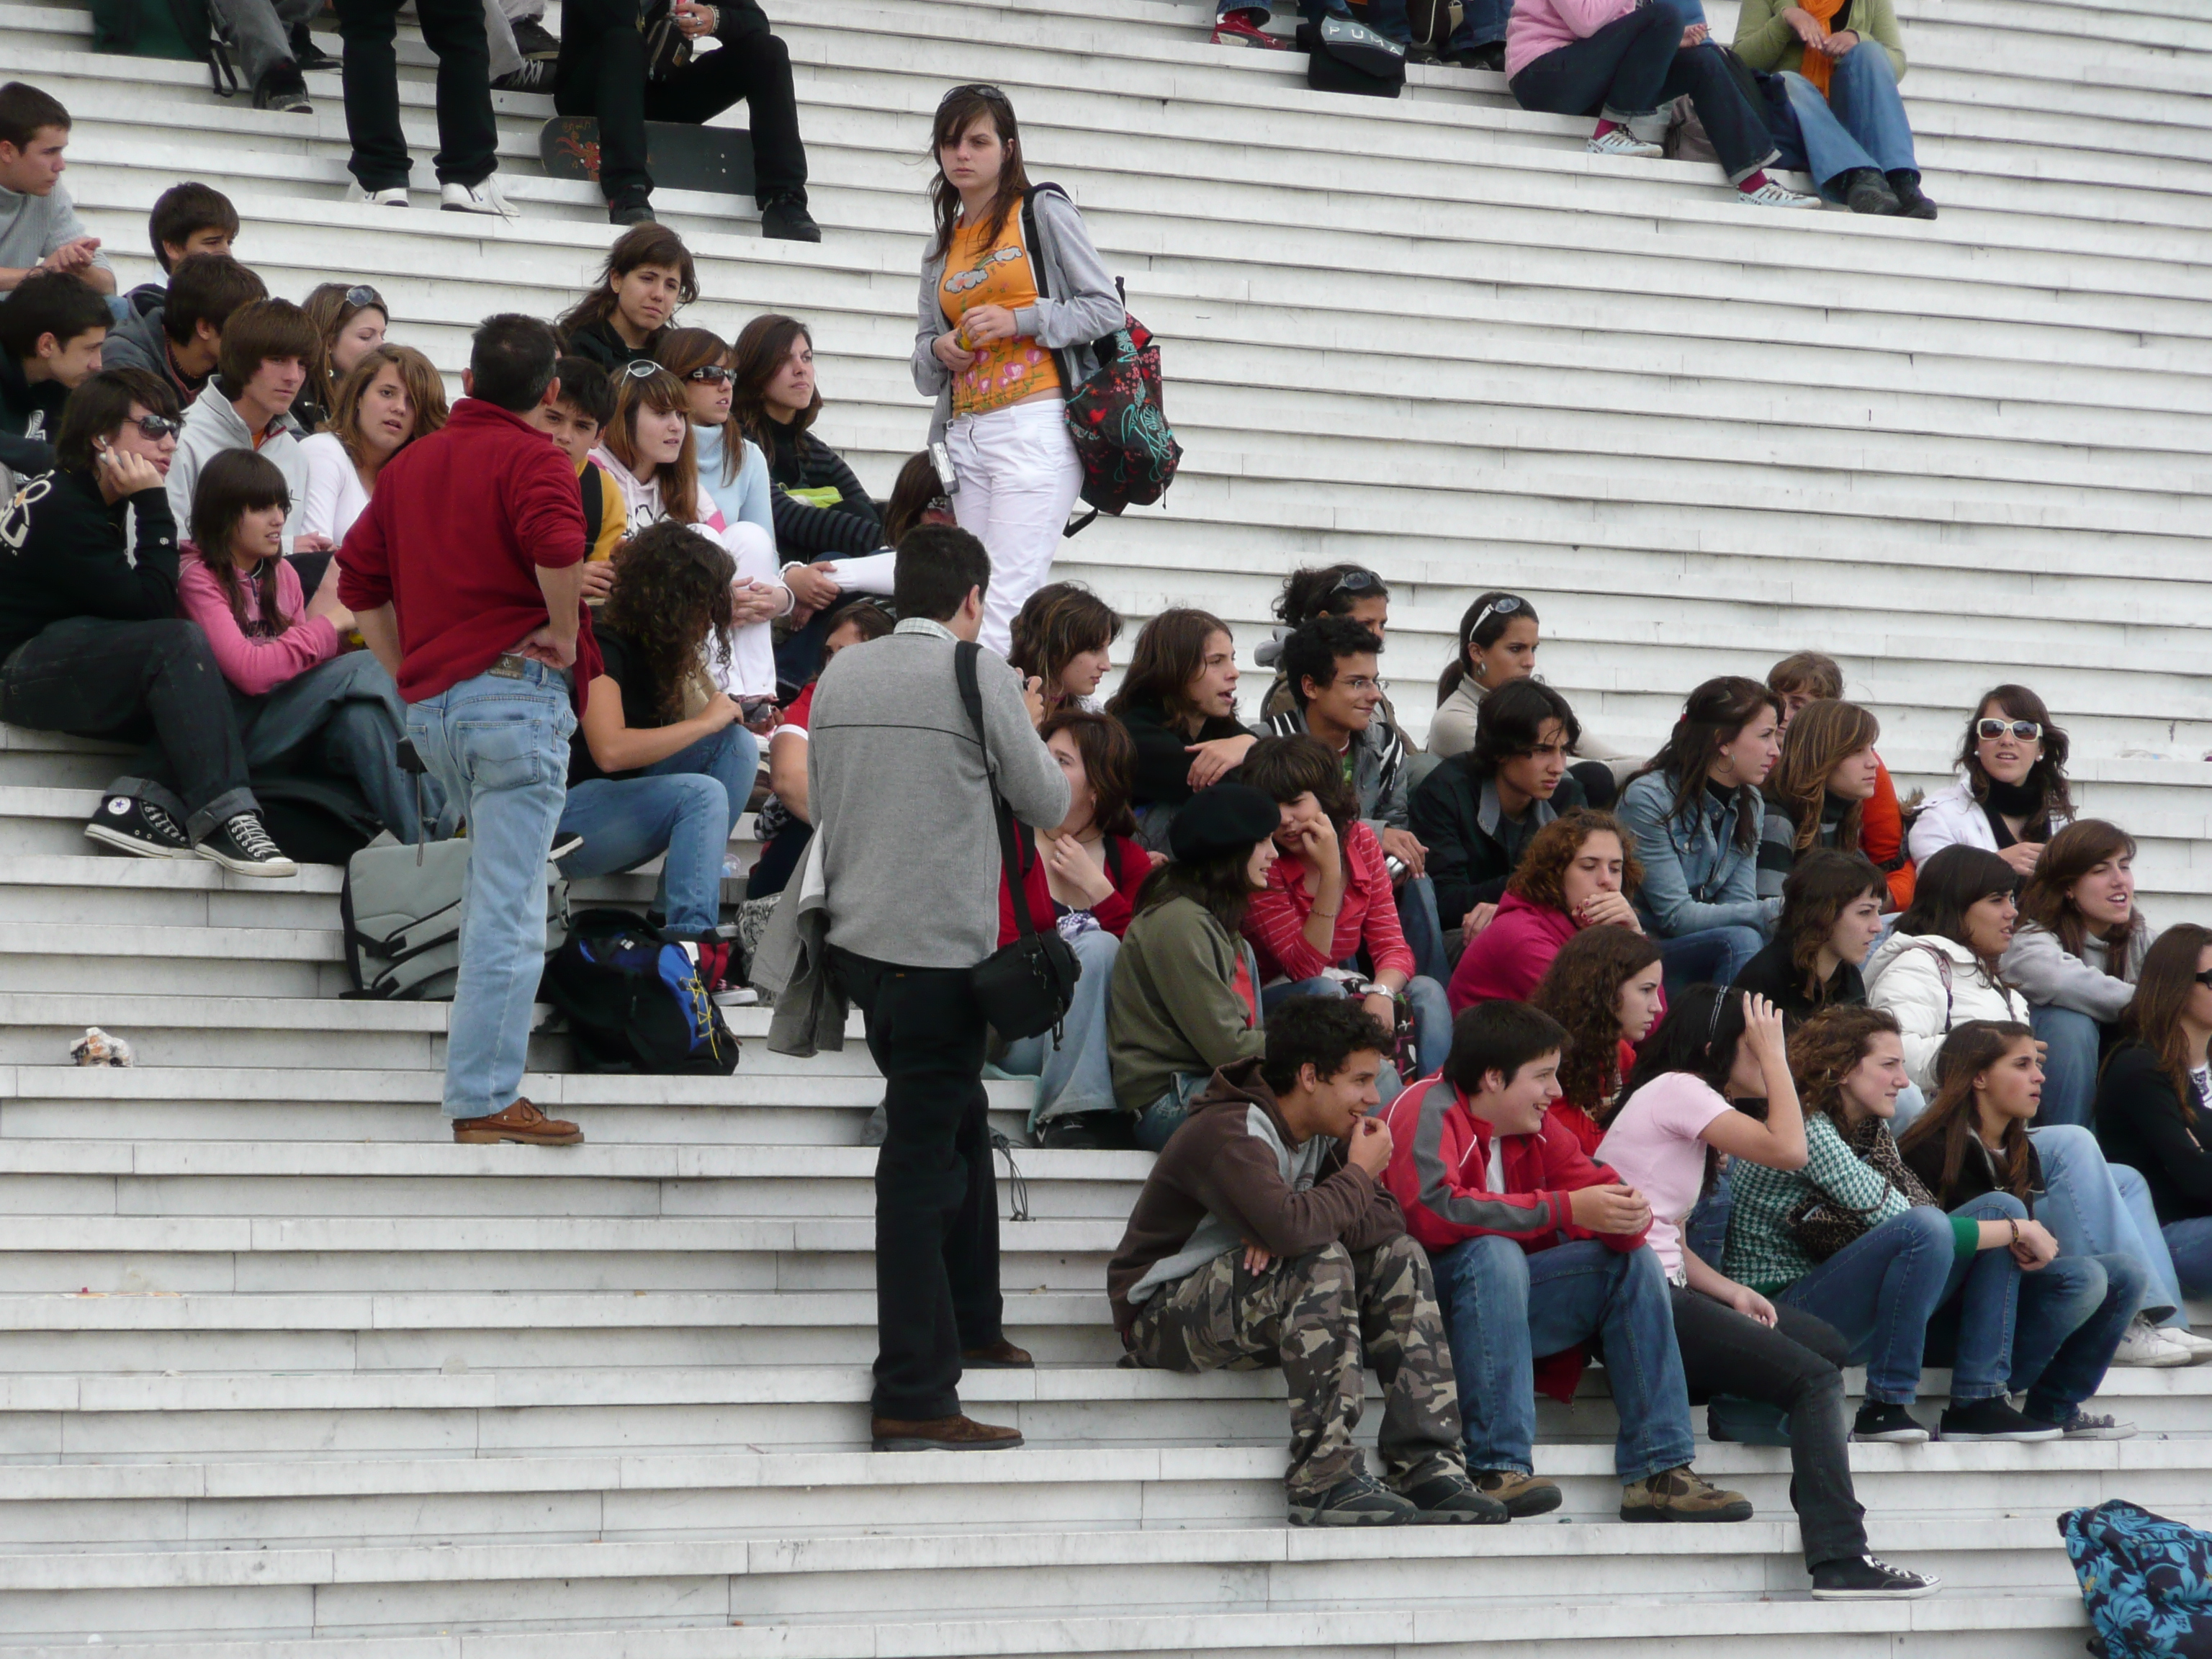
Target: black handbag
<point x="1025" y="988"/>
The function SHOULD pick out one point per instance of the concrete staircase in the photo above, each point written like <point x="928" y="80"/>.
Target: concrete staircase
<point x="283" y="1372"/>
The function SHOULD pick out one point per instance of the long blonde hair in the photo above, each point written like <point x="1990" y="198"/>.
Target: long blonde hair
<point x="426" y="397"/>
<point x="663" y="393"/>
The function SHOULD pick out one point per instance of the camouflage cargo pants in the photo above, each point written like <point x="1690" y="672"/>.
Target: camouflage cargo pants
<point x="1320" y="1317"/>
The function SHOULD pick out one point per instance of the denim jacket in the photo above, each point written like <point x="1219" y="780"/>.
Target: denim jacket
<point x="1696" y="874"/>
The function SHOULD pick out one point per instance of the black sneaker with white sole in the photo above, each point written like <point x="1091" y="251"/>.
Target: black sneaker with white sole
<point x="140" y="827"/>
<point x="1868" y="1578"/>
<point x="1357" y="1500"/>
<point x="1881" y="1420"/>
<point x="242" y="846"/>
<point x="1993" y="1418"/>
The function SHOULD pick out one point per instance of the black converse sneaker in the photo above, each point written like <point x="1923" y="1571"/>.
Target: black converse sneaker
<point x="1870" y="1578"/>
<point x="138" y="826"/>
<point x="243" y="846"/>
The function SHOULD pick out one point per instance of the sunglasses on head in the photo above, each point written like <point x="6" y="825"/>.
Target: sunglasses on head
<point x="978" y="89"/>
<point x="1357" y="581"/>
<point x="364" y="295"/>
<point x="709" y="374"/>
<point x="642" y="368"/>
<point x="1504" y="607"/>
<point x="2025" y="731"/>
<point x="155" y="427"/>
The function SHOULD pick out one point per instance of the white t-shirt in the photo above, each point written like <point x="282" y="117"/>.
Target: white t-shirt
<point x="1497" y="1163"/>
<point x="1653" y="1144"/>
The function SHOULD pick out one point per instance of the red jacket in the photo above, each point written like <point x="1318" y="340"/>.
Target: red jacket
<point x="1127" y="864"/>
<point x="453" y="538"/>
<point x="1275" y="921"/>
<point x="1505" y="960"/>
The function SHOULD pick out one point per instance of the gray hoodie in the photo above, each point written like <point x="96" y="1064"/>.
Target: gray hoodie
<point x="211" y="426"/>
<point x="2049" y="976"/>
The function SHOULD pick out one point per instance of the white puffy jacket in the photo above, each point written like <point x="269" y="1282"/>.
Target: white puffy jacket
<point x="1953" y="815"/>
<point x="1905" y="979"/>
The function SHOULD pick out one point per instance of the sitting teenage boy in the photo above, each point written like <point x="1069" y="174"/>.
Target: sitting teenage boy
<point x="92" y="644"/>
<point x="1264" y="1238"/>
<point x="261" y="364"/>
<point x="179" y="336"/>
<point x="1329" y="665"/>
<point x="39" y="226"/>
<point x="187" y="219"/>
<point x="574" y="419"/>
<point x="1537" y="1251"/>
<point x="51" y="330"/>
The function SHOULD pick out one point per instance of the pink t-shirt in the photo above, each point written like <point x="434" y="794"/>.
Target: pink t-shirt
<point x="1654" y="1144"/>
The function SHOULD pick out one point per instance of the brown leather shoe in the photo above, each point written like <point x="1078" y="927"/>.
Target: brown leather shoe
<point x="1000" y="1356"/>
<point x="939" y="1434"/>
<point x="521" y="1122"/>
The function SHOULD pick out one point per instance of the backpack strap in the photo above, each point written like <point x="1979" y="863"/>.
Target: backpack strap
<point x="1942" y="972"/>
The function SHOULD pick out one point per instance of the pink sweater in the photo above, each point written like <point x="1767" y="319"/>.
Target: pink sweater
<point x="1540" y="25"/>
<point x="255" y="666"/>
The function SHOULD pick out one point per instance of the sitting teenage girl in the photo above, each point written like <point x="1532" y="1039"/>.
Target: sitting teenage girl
<point x="1972" y="1141"/>
<point x="1351" y="591"/>
<point x="1064" y="637"/>
<point x="1939" y="968"/>
<point x="2152" y="1098"/>
<point x="1806" y="676"/>
<point x="1878" y="1258"/>
<point x="917" y="497"/>
<point x="304" y="702"/>
<point x="663" y="762"/>
<point x="1178" y="699"/>
<point x="1831" y="917"/>
<point x="349" y="319"/>
<point x="1577" y="873"/>
<point x="648" y="274"/>
<point x="1081" y="878"/>
<point x="2075" y="956"/>
<point x="1478" y="812"/>
<point x="1498" y="641"/>
<point x="2011" y="796"/>
<point x="1695" y="811"/>
<point x="391" y="396"/>
<point x="1603" y="989"/>
<point x="1818" y="794"/>
<point x="731" y="468"/>
<point x="1185" y="995"/>
<point x="1715" y="1046"/>
<point x="1327" y="923"/>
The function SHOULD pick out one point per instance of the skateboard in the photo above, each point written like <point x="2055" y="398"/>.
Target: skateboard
<point x="677" y="155"/>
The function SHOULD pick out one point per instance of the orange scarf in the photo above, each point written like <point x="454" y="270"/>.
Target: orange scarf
<point x="1818" y="66"/>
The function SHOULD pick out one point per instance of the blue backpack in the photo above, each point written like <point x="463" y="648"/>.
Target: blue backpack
<point x="2146" y="1581"/>
<point x="633" y="1001"/>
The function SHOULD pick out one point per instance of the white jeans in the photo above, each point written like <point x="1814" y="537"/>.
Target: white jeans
<point x="1017" y="477"/>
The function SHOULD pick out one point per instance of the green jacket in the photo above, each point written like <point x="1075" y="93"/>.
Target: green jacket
<point x="1764" y="40"/>
<point x="1175" y="1007"/>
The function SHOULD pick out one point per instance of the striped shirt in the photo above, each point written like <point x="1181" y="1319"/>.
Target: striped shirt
<point x="1276" y="921"/>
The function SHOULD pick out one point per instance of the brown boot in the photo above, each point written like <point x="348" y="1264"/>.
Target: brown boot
<point x="1000" y="1356"/>
<point x="939" y="1434"/>
<point x="521" y="1122"/>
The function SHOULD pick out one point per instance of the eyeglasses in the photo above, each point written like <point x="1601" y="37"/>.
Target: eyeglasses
<point x="365" y="295"/>
<point x="2204" y="978"/>
<point x="709" y="374"/>
<point x="1359" y="683"/>
<point x="1500" y="607"/>
<point x="155" y="427"/>
<point x="2025" y="731"/>
<point x="1357" y="581"/>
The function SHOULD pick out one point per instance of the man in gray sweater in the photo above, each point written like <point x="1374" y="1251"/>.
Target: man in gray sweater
<point x="901" y="793"/>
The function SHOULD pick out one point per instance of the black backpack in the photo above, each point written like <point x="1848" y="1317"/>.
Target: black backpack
<point x="1343" y="56"/>
<point x="633" y="1001"/>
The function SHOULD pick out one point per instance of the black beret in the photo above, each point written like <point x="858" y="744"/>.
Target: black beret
<point x="1226" y="818"/>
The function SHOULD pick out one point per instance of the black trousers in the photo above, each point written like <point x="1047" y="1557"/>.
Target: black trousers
<point x="937" y="1201"/>
<point x="1636" y="63"/>
<point x="1797" y="1366"/>
<point x="602" y="73"/>
<point x="468" y="137"/>
<point x="132" y="681"/>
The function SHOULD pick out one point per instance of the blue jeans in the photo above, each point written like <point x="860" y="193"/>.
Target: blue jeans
<point x="1882" y="1291"/>
<point x="1424" y="929"/>
<point x="499" y="747"/>
<point x="1482" y="23"/>
<point x="2069" y="1064"/>
<point x="1860" y="124"/>
<point x="1711" y="956"/>
<point x="1911" y="1103"/>
<point x="685" y="806"/>
<point x="1504" y="1309"/>
<point x="1431" y="1009"/>
<point x="343" y="717"/>
<point x="2096" y="1208"/>
<point x="1074" y="1074"/>
<point x="2191" y="1242"/>
<point x="2072" y="1317"/>
<point x="1160" y="1120"/>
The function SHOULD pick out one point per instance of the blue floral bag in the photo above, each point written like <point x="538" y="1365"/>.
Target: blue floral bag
<point x="2146" y="1581"/>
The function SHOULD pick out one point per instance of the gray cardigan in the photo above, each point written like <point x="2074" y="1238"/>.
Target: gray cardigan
<point x="1084" y="305"/>
<point x="2050" y="977"/>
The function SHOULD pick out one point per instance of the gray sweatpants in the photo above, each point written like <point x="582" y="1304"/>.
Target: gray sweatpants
<point x="257" y="31"/>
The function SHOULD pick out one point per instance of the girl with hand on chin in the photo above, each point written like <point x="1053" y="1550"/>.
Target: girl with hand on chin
<point x="2011" y="796"/>
<point x="1003" y="339"/>
<point x="1577" y="873"/>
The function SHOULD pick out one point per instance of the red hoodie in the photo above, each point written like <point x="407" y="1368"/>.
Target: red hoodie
<point x="452" y="539"/>
<point x="1505" y="960"/>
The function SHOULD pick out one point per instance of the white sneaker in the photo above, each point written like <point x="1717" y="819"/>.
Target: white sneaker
<point x="2147" y="1346"/>
<point x="736" y="996"/>
<point x="395" y="196"/>
<point x="1769" y="194"/>
<point x="2189" y="1342"/>
<point x="1621" y="141"/>
<point x="485" y="196"/>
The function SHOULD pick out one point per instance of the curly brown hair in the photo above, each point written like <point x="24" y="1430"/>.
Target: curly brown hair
<point x="671" y="600"/>
<point x="1540" y="877"/>
<point x="1582" y="990"/>
<point x="1827" y="1048"/>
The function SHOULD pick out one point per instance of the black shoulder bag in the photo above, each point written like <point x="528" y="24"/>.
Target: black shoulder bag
<point x="1026" y="987"/>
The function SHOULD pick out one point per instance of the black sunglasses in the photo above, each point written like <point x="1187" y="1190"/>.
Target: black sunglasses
<point x="979" y="88"/>
<point x="155" y="427"/>
<point x="2025" y="731"/>
<point x="710" y="374"/>
<point x="2204" y="978"/>
<point x="1357" y="581"/>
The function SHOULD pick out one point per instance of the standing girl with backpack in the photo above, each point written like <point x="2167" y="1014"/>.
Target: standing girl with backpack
<point x="1004" y="338"/>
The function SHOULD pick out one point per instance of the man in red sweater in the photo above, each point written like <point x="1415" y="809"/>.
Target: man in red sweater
<point x="465" y="577"/>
